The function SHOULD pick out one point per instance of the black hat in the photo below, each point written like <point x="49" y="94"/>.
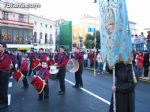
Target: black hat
<point x="4" y="44"/>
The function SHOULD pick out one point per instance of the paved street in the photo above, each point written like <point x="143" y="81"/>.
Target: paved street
<point x="94" y="97"/>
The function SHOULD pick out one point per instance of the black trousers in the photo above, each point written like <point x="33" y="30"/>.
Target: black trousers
<point x="45" y="92"/>
<point x="61" y="76"/>
<point x="78" y="76"/>
<point x="25" y="81"/>
<point x="145" y="71"/>
<point x="4" y="79"/>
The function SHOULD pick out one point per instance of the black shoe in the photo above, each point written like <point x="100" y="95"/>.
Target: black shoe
<point x="3" y="106"/>
<point x="39" y="99"/>
<point x="61" y="93"/>
<point x="75" y="86"/>
<point x="81" y="86"/>
<point x="46" y="97"/>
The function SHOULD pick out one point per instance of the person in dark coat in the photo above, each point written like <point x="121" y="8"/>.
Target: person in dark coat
<point x="124" y="88"/>
<point x="5" y="65"/>
<point x="146" y="63"/>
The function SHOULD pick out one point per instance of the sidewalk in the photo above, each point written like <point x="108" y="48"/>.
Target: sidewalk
<point x="144" y="79"/>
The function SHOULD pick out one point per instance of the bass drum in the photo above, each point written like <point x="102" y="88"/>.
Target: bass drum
<point x="72" y="65"/>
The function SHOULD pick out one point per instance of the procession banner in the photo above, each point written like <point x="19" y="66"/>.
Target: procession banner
<point x="115" y="32"/>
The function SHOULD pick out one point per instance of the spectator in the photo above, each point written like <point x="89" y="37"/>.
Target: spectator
<point x="142" y="39"/>
<point x="85" y="59"/>
<point x="137" y="43"/>
<point x="148" y="41"/>
<point x="133" y="44"/>
<point x="140" y="61"/>
<point x="100" y="63"/>
<point x="146" y="63"/>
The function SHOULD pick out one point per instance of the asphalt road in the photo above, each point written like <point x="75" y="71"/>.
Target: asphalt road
<point x="93" y="97"/>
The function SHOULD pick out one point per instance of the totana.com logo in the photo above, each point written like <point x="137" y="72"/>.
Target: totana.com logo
<point x="22" y="5"/>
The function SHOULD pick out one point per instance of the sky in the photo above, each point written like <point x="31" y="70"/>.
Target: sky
<point x="138" y="10"/>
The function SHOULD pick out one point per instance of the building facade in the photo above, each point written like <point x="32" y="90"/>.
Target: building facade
<point x="44" y="32"/>
<point x="82" y="27"/>
<point x="65" y="38"/>
<point x="15" y="28"/>
<point x="133" y="27"/>
<point x="88" y="25"/>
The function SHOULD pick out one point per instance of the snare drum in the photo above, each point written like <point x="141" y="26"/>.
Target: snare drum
<point x="39" y="84"/>
<point x="18" y="76"/>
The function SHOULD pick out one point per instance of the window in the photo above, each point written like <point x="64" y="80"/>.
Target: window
<point x="35" y="22"/>
<point x="50" y="35"/>
<point x="46" y="41"/>
<point x="50" y="26"/>
<point x="35" y="37"/>
<point x="51" y="40"/>
<point x="5" y="15"/>
<point x="41" y="24"/>
<point x="46" y="25"/>
<point x="21" y="18"/>
<point x="41" y="35"/>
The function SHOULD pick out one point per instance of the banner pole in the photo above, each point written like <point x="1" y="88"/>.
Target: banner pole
<point x="114" y="93"/>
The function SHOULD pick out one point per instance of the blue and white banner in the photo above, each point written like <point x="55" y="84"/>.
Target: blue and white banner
<point x="115" y="32"/>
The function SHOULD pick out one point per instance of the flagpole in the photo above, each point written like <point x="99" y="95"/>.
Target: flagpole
<point x="114" y="93"/>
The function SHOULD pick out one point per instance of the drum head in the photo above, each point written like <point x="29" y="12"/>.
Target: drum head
<point x="53" y="70"/>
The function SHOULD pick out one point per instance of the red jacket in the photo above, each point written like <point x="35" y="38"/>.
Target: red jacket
<point x="140" y="61"/>
<point x="5" y="62"/>
<point x="24" y="66"/>
<point x="44" y="73"/>
<point x="79" y="57"/>
<point x="62" y="60"/>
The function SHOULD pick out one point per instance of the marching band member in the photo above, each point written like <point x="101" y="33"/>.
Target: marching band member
<point x="78" y="75"/>
<point x="5" y="63"/>
<point x="62" y="62"/>
<point x="41" y="55"/>
<point x="31" y="58"/>
<point x="14" y="62"/>
<point x="44" y="74"/>
<point x="24" y="70"/>
<point x="56" y="54"/>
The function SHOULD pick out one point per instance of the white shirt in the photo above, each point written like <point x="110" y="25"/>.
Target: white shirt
<point x="98" y="58"/>
<point x="85" y="56"/>
<point x="142" y="38"/>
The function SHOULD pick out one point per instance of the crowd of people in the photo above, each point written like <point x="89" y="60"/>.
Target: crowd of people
<point x="12" y="61"/>
<point x="141" y="50"/>
<point x="36" y="64"/>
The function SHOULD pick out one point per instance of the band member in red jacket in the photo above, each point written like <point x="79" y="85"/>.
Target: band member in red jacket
<point x="5" y="65"/>
<point x="78" y="75"/>
<point x="41" y="55"/>
<point x="24" y="70"/>
<point x="62" y="62"/>
<point x="44" y="74"/>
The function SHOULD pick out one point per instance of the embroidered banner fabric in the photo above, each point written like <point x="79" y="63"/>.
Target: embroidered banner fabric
<point x="115" y="32"/>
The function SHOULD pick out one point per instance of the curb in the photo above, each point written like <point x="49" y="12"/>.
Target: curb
<point x="141" y="79"/>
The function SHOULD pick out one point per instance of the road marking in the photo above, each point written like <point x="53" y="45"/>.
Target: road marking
<point x="9" y="99"/>
<point x="10" y="84"/>
<point x="92" y="94"/>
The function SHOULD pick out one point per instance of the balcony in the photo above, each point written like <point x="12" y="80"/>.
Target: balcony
<point x="16" y="24"/>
